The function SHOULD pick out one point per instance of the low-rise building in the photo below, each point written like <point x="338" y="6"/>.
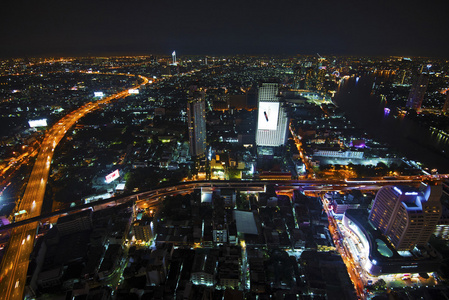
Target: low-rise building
<point x="204" y="269"/>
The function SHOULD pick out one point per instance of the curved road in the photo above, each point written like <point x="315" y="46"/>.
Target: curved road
<point x="15" y="261"/>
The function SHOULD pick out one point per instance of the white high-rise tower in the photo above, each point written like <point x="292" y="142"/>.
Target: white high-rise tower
<point x="174" y="57"/>
<point x="272" y="121"/>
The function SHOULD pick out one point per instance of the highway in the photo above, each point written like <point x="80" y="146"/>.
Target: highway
<point x="7" y="171"/>
<point x="15" y="261"/>
<point x="153" y="196"/>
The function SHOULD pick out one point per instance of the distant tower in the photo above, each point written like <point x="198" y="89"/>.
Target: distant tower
<point x="321" y="78"/>
<point x="406" y="215"/>
<point x="174" y="57"/>
<point x="417" y="92"/>
<point x="272" y="119"/>
<point x="310" y="82"/>
<point x="446" y="103"/>
<point x="297" y="76"/>
<point x="196" y="114"/>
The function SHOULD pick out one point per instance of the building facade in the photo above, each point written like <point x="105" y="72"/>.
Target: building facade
<point x="272" y="119"/>
<point x="142" y="231"/>
<point x="75" y="223"/>
<point x="196" y="114"/>
<point x="338" y="153"/>
<point x="416" y="96"/>
<point x="406" y="215"/>
<point x="445" y="109"/>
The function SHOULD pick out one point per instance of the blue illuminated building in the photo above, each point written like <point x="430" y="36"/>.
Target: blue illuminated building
<point x="394" y="237"/>
<point x="405" y="215"/>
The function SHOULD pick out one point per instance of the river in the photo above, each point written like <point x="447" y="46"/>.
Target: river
<point x="356" y="98"/>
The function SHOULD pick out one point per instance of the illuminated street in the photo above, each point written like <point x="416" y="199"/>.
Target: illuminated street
<point x="15" y="261"/>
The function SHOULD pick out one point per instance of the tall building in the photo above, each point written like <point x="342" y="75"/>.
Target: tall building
<point x="143" y="231"/>
<point x="196" y="114"/>
<point x="406" y="215"/>
<point x="297" y="76"/>
<point x="311" y="79"/>
<point x="446" y="104"/>
<point x="174" y="58"/>
<point x="272" y="119"/>
<point x="321" y="78"/>
<point x="417" y="92"/>
<point x="75" y="223"/>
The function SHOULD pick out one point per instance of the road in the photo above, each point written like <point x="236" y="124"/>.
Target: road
<point x="345" y="254"/>
<point x="304" y="159"/>
<point x="15" y="261"/>
<point x="7" y="171"/>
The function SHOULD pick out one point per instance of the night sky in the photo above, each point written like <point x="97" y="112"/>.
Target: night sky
<point x="99" y="27"/>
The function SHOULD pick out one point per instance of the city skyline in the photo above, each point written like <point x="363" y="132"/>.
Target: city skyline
<point x="181" y="140"/>
<point x="405" y="28"/>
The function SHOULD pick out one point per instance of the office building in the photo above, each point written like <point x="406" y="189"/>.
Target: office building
<point x="272" y="119"/>
<point x="379" y="256"/>
<point x="311" y="79"/>
<point x="417" y="92"/>
<point x="75" y="223"/>
<point x="196" y="114"/>
<point x="446" y="103"/>
<point x="143" y="231"/>
<point x="406" y="215"/>
<point x="321" y="78"/>
<point x="203" y="269"/>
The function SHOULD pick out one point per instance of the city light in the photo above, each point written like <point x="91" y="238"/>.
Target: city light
<point x="38" y="123"/>
<point x="270" y="179"/>
<point x="112" y="176"/>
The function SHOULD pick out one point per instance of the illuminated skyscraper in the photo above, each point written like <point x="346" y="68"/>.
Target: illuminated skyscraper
<point x="321" y="78"/>
<point x="446" y="104"/>
<point x="417" y="92"/>
<point x="405" y="215"/>
<point x="272" y="119"/>
<point x="196" y="114"/>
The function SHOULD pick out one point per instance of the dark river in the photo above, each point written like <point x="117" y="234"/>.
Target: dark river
<point x="415" y="142"/>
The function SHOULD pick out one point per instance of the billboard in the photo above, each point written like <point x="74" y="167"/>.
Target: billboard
<point x="133" y="91"/>
<point x="98" y="94"/>
<point x="268" y="115"/>
<point x="113" y="176"/>
<point x="38" y="123"/>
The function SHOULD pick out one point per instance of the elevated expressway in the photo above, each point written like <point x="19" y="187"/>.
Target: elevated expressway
<point x="24" y="231"/>
<point x="14" y="264"/>
<point x="154" y="196"/>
